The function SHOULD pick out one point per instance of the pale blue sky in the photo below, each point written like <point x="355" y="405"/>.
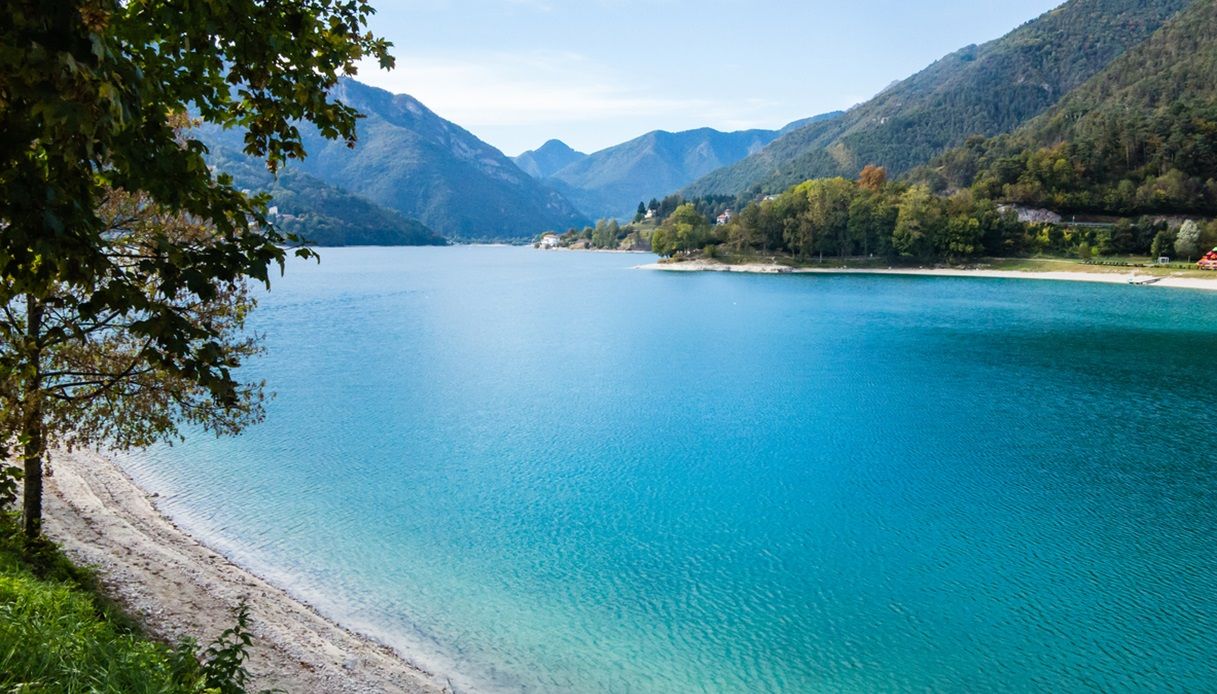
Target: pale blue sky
<point x="598" y="72"/>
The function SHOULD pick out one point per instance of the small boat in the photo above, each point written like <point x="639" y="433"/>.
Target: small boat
<point x="1139" y="281"/>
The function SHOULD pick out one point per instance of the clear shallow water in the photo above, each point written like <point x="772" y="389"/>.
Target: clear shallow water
<point x="549" y="472"/>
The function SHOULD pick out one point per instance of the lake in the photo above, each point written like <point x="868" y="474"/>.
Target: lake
<point x="550" y="472"/>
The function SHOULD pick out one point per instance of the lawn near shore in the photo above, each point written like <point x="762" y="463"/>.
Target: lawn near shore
<point x="1105" y="270"/>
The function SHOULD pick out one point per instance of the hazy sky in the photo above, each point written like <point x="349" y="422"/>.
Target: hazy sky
<point x="595" y="73"/>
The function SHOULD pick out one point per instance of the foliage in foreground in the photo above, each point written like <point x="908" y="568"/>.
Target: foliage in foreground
<point x="91" y="94"/>
<point x="59" y="634"/>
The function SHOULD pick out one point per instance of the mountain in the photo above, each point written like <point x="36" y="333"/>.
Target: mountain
<point x="548" y="159"/>
<point x="1138" y="138"/>
<point x="411" y="160"/>
<point x="611" y="182"/>
<point x="979" y="90"/>
<point x="804" y="122"/>
<point x="328" y="216"/>
<point x="323" y="214"/>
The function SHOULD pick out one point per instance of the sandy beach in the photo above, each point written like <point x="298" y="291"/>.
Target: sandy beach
<point x="178" y="587"/>
<point x="1114" y="277"/>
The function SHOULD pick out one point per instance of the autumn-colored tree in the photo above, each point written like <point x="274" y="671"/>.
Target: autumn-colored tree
<point x="101" y="381"/>
<point x="872" y="177"/>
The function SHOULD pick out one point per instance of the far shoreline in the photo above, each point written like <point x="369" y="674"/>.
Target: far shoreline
<point x="1102" y="277"/>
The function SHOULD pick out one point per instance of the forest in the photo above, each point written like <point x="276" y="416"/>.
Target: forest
<point x="872" y="217"/>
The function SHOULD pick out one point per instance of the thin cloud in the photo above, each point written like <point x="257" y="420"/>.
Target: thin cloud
<point x="494" y="91"/>
<point x="504" y="89"/>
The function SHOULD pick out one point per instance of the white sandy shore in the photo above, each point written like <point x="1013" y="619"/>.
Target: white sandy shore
<point x="1067" y="276"/>
<point x="178" y="587"/>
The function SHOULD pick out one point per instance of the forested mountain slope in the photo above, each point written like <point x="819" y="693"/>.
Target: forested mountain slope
<point x="429" y="169"/>
<point x="323" y="214"/>
<point x="1140" y="137"/>
<point x="979" y="90"/>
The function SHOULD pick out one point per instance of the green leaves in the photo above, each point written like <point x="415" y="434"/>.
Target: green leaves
<point x="117" y="226"/>
<point x="224" y="668"/>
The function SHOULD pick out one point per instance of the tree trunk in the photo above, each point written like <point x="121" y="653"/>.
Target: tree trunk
<point x="32" y="424"/>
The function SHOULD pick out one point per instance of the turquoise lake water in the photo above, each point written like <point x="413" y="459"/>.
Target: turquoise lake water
<point x="549" y="472"/>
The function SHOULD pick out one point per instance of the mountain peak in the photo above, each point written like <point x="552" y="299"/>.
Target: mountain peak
<point x="548" y="159"/>
<point x="556" y="145"/>
<point x="609" y="183"/>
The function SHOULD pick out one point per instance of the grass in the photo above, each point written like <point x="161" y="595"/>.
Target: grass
<point x="1116" y="265"/>
<point x="1120" y="265"/>
<point x="59" y="633"/>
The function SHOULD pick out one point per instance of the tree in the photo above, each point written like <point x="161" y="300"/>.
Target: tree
<point x="1208" y="239"/>
<point x="641" y="213"/>
<point x="1187" y="243"/>
<point x="1121" y="239"/>
<point x="789" y="213"/>
<point x="871" y="220"/>
<point x="684" y="230"/>
<point x="600" y="234"/>
<point x="662" y="242"/>
<point x="1163" y="243"/>
<point x="962" y="237"/>
<point x="605" y="234"/>
<point x="872" y="178"/>
<point x="828" y="204"/>
<point x="918" y="216"/>
<point x="743" y="232"/>
<point x="89" y="94"/>
<point x="98" y="382"/>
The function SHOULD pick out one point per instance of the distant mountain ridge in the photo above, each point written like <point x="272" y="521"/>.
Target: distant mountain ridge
<point x="610" y="183"/>
<point x="411" y="160"/>
<point x="548" y="159"/>
<point x="979" y="90"/>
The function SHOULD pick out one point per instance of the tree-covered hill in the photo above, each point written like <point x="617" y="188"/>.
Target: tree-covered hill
<point x="1138" y="138"/>
<point x="413" y="161"/>
<point x="329" y="216"/>
<point x="323" y="214"/>
<point x="980" y="90"/>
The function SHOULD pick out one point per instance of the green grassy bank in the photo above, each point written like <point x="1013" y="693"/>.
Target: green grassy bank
<point x="59" y="633"/>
